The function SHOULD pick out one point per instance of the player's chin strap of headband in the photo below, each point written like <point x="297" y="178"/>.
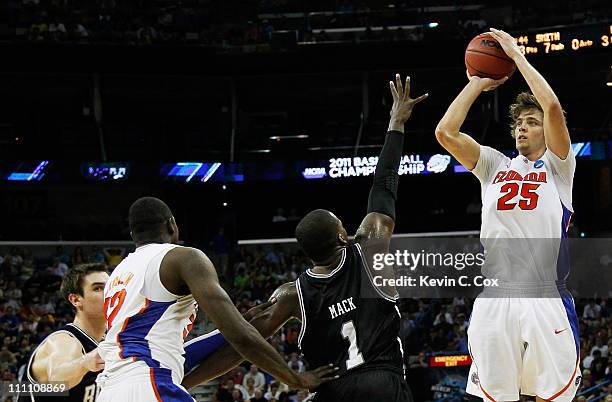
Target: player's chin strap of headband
<point x="384" y="190"/>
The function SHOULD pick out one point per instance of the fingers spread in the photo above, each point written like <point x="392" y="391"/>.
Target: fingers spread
<point x="326" y="370"/>
<point x="398" y="83"/>
<point x="328" y="379"/>
<point x="393" y="91"/>
<point x="407" y="88"/>
<point x="421" y="98"/>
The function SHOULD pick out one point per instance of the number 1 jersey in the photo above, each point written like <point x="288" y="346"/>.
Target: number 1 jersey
<point x="343" y="323"/>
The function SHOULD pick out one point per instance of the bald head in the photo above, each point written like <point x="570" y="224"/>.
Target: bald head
<point x="150" y="219"/>
<point x="319" y="233"/>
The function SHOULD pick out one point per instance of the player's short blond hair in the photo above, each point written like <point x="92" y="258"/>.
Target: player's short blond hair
<point x="524" y="101"/>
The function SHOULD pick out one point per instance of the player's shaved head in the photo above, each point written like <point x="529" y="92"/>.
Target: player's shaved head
<point x="149" y="219"/>
<point x="318" y="234"/>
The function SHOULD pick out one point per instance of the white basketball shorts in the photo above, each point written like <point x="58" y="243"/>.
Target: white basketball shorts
<point x="526" y="346"/>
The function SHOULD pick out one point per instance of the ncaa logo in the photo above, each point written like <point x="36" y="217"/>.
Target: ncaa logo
<point x="578" y="379"/>
<point x="475" y="378"/>
<point x="438" y="163"/>
<point x="538" y="164"/>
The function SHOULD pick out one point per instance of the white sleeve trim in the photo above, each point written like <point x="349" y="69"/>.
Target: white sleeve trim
<point x="302" y="310"/>
<point x="366" y="267"/>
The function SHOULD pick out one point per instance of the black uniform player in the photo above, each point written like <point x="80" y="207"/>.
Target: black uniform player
<point x="84" y="391"/>
<point x="358" y="334"/>
<point x="69" y="355"/>
<point x="346" y="321"/>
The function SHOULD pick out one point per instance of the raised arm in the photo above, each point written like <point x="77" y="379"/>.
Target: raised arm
<point x="380" y="220"/>
<point x="191" y="267"/>
<point x="556" y="134"/>
<point x="463" y="147"/>
<point x="266" y="322"/>
<point x="61" y="359"/>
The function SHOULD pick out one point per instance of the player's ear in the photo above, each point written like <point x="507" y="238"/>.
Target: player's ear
<point x="342" y="238"/>
<point x="171" y="225"/>
<point x="75" y="300"/>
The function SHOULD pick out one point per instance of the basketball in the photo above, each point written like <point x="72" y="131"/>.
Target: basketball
<point x="484" y="57"/>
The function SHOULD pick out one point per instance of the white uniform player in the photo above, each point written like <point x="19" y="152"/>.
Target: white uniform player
<point x="146" y="328"/>
<point x="519" y="340"/>
<point x="523" y="334"/>
<point x="150" y="306"/>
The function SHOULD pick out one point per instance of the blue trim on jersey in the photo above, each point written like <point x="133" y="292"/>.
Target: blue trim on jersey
<point x="563" y="260"/>
<point x="168" y="391"/>
<point x="132" y="338"/>
<point x="572" y="317"/>
<point x="567" y="214"/>
<point x="200" y="348"/>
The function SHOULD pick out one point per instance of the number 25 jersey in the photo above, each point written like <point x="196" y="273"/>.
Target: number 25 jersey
<point x="526" y="208"/>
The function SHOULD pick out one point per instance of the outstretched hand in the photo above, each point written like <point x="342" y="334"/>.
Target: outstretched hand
<point x="402" y="102"/>
<point x="312" y="379"/>
<point x="253" y="311"/>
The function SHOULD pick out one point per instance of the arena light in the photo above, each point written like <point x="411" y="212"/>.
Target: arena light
<point x="582" y="148"/>
<point x="258" y="151"/>
<point x="289" y="137"/>
<point x="432" y="25"/>
<point x="211" y="171"/>
<point x="105" y="171"/>
<point x="31" y="175"/>
<point x="187" y="169"/>
<point x="460" y="169"/>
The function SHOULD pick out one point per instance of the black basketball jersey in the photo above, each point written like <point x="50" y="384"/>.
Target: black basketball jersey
<point x="85" y="391"/>
<point x="344" y="324"/>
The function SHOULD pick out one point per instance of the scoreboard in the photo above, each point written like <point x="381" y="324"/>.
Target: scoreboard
<point x="566" y="40"/>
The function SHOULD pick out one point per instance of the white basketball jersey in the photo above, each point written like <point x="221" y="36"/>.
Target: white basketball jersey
<point x="526" y="207"/>
<point x="146" y="324"/>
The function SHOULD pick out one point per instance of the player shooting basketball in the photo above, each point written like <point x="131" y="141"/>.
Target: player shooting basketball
<point x="521" y="343"/>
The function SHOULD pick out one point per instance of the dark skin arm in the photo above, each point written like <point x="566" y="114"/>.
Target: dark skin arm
<point x="374" y="233"/>
<point x="267" y="322"/>
<point x="187" y="266"/>
<point x="374" y="236"/>
<point x="378" y="226"/>
<point x="286" y="307"/>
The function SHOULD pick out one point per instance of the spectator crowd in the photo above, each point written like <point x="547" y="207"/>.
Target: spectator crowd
<point x="234" y="23"/>
<point x="31" y="308"/>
